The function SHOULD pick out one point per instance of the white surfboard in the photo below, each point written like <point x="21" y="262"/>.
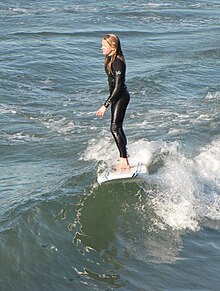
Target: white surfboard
<point x="137" y="172"/>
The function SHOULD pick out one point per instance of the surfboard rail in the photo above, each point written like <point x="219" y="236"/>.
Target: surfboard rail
<point x="138" y="171"/>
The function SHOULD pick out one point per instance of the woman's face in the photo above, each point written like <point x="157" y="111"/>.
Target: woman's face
<point x="106" y="48"/>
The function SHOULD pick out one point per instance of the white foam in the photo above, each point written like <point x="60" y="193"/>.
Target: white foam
<point x="207" y="163"/>
<point x="140" y="151"/>
<point x="20" y="137"/>
<point x="18" y="10"/>
<point x="211" y="95"/>
<point x="104" y="149"/>
<point x="186" y="190"/>
<point x="7" y="110"/>
<point x="175" y="201"/>
<point x="207" y="169"/>
<point x="59" y="124"/>
<point x="202" y="117"/>
<point x="101" y="149"/>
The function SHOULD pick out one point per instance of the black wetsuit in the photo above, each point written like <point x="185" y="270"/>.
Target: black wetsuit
<point x="119" y="99"/>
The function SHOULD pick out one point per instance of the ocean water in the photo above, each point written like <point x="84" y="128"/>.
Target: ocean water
<point x="59" y="229"/>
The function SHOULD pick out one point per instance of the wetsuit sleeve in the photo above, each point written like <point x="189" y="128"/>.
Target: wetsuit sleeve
<point x="119" y="71"/>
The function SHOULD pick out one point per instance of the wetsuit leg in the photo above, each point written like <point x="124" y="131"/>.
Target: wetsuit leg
<point x="118" y="112"/>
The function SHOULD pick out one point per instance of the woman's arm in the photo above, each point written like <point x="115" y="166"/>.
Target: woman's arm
<point x="119" y="75"/>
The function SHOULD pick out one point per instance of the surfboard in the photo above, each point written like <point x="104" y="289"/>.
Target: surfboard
<point x="137" y="172"/>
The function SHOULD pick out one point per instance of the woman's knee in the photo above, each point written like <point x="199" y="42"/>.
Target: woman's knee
<point x="114" y="128"/>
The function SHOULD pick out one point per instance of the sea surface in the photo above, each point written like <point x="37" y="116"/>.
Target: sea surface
<point x="59" y="229"/>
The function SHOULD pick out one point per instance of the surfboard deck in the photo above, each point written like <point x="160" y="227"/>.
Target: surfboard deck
<point x="137" y="172"/>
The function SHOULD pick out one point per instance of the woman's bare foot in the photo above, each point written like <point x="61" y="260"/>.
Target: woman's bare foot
<point x="123" y="166"/>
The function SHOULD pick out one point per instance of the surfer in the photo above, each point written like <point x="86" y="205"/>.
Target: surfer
<point x="115" y="68"/>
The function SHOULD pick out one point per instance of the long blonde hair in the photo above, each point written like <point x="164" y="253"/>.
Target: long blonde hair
<point x="115" y="44"/>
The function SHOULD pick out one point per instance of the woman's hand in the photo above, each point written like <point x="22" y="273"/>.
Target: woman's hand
<point x="101" y="111"/>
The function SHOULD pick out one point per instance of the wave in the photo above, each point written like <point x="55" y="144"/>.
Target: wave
<point x="4" y="109"/>
<point x="106" y="224"/>
<point x="179" y="184"/>
<point x="213" y="96"/>
<point x="20" y="137"/>
<point x="58" y="124"/>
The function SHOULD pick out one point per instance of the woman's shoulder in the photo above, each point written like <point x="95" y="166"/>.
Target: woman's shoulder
<point x="118" y="63"/>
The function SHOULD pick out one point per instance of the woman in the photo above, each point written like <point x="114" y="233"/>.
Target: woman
<point x="119" y="97"/>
